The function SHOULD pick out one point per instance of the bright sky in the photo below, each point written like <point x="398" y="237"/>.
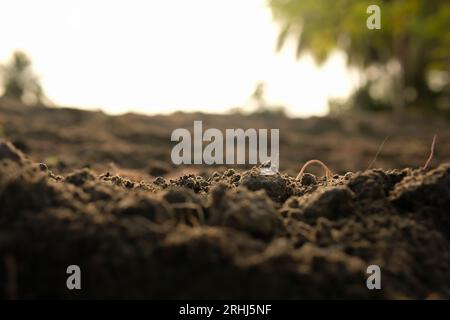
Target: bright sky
<point x="158" y="56"/>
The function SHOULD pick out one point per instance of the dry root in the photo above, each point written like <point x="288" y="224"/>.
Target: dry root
<point x="425" y="166"/>
<point x="191" y="206"/>
<point x="328" y="172"/>
<point x="378" y="153"/>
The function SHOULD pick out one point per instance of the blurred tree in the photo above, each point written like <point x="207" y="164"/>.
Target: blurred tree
<point x="258" y="105"/>
<point x="258" y="96"/>
<point x="263" y="108"/>
<point x="19" y="81"/>
<point x="411" y="48"/>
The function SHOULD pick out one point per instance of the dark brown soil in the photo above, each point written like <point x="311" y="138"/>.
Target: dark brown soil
<point x="139" y="146"/>
<point x="216" y="233"/>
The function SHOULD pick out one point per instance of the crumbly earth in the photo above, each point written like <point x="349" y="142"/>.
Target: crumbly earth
<point x="139" y="147"/>
<point x="228" y="234"/>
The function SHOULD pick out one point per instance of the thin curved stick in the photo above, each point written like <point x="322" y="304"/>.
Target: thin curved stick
<point x="425" y="166"/>
<point x="328" y="172"/>
<point x="378" y="153"/>
<point x="192" y="206"/>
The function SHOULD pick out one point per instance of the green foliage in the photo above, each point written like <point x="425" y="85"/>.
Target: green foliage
<point x="19" y="81"/>
<point x="415" y="33"/>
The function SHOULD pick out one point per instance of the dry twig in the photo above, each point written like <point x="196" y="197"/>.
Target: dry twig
<point x="328" y="172"/>
<point x="192" y="206"/>
<point x="378" y="153"/>
<point x="425" y="166"/>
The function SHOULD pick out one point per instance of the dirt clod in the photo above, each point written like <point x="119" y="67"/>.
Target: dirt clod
<point x="9" y="151"/>
<point x="277" y="186"/>
<point x="259" y="236"/>
<point x="218" y="233"/>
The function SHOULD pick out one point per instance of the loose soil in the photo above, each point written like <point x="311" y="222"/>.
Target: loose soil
<point x="96" y="191"/>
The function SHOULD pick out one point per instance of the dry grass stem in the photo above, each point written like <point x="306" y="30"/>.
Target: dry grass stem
<point x="425" y="166"/>
<point x="328" y="172"/>
<point x="378" y="153"/>
<point x="191" y="206"/>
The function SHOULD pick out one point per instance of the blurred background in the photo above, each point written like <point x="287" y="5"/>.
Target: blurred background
<point x="160" y="56"/>
<point x="260" y="63"/>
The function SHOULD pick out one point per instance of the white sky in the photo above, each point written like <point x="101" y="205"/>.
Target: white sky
<point x="157" y="56"/>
